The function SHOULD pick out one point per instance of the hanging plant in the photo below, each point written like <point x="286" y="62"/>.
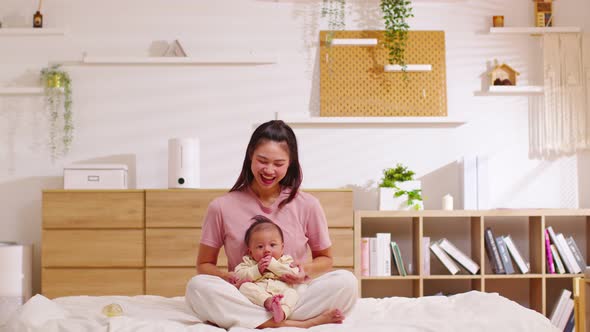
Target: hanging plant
<point x="395" y="14"/>
<point x="335" y="11"/>
<point x="58" y="95"/>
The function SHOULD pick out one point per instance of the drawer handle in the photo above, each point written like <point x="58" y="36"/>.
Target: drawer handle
<point x="93" y="178"/>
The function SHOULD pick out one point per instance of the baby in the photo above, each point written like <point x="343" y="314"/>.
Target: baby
<point x="261" y="269"/>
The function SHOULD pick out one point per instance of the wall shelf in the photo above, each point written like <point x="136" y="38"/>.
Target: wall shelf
<point x="425" y="121"/>
<point x="533" y="30"/>
<point x="409" y="68"/>
<point x="509" y="90"/>
<point x="32" y="32"/>
<point x="18" y="91"/>
<point x="354" y="42"/>
<point x="204" y="60"/>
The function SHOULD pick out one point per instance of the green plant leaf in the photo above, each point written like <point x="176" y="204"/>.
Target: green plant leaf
<point x="395" y="14"/>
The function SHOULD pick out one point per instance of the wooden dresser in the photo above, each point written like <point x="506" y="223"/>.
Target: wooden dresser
<point x="131" y="242"/>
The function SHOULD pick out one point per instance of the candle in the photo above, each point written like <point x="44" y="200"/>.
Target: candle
<point x="447" y="202"/>
<point x="498" y="21"/>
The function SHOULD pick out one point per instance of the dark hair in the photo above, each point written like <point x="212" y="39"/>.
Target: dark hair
<point x="260" y="223"/>
<point x="276" y="131"/>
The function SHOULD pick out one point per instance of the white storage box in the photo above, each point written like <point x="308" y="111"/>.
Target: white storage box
<point x="95" y="176"/>
<point x="16" y="267"/>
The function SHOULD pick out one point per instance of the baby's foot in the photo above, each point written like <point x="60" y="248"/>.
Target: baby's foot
<point x="278" y="315"/>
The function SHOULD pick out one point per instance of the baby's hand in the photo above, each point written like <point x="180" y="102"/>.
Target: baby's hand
<point x="263" y="263"/>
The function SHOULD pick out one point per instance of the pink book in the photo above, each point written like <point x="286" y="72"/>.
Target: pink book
<point x="550" y="267"/>
<point x="365" y="254"/>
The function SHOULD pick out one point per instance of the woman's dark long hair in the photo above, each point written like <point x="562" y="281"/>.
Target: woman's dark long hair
<point x="276" y="131"/>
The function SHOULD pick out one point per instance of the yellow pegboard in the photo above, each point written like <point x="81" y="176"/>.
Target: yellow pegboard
<point x="354" y="83"/>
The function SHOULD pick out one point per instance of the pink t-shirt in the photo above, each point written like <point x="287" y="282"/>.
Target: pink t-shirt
<point x="302" y="221"/>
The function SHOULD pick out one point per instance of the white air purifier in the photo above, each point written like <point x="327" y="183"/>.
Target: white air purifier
<point x="183" y="163"/>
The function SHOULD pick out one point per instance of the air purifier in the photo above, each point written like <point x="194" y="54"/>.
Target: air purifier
<point x="183" y="163"/>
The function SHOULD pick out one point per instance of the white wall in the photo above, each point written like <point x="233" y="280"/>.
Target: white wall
<point x="127" y="113"/>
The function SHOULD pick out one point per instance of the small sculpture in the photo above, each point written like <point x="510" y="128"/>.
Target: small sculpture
<point x="543" y="13"/>
<point x="112" y="310"/>
<point x="503" y="74"/>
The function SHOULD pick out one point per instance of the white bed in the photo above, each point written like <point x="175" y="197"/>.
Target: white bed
<point x="472" y="311"/>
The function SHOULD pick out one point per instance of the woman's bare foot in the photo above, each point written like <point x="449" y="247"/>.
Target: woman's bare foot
<point x="333" y="316"/>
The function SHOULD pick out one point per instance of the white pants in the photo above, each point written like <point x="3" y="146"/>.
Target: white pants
<point x="214" y="299"/>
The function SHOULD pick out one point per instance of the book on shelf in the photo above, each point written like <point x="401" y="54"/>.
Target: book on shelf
<point x="549" y="254"/>
<point x="397" y="258"/>
<point x="383" y="254"/>
<point x="444" y="258"/>
<point x="576" y="252"/>
<point x="365" y="257"/>
<point x="493" y="253"/>
<point x="566" y="256"/>
<point x="559" y="308"/>
<point x="458" y="255"/>
<point x="571" y="322"/>
<point x="569" y="254"/>
<point x="373" y="256"/>
<point x="564" y="317"/>
<point x="504" y="255"/>
<point x="559" y="268"/>
<point x="516" y="255"/>
<point x="425" y="256"/>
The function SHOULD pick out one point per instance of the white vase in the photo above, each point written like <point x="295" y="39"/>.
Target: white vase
<point x="388" y="201"/>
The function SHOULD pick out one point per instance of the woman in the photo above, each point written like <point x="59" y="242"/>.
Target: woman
<point x="268" y="185"/>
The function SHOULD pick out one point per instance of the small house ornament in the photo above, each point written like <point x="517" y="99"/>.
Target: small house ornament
<point x="502" y="74"/>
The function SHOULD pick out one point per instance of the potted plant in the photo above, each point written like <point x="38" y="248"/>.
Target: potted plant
<point x="395" y="14"/>
<point x="399" y="191"/>
<point x="335" y="11"/>
<point x="58" y="95"/>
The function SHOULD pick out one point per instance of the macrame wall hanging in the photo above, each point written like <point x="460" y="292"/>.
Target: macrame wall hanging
<point x="559" y="121"/>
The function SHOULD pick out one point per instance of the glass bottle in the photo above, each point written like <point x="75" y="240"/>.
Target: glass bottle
<point x="38" y="20"/>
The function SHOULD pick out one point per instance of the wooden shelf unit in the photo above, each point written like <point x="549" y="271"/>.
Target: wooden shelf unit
<point x="537" y="290"/>
<point x="581" y="294"/>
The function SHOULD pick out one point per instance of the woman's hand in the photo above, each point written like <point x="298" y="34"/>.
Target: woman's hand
<point x="295" y="279"/>
<point x="236" y="281"/>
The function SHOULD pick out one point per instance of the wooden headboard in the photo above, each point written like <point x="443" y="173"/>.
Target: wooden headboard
<point x="131" y="242"/>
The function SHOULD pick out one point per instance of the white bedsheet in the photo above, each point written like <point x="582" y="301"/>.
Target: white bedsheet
<point x="472" y="311"/>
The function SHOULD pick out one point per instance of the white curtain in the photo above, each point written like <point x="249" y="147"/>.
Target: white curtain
<point x="559" y="121"/>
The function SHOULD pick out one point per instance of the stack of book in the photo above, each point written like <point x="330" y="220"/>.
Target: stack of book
<point x="376" y="256"/>
<point x="501" y="251"/>
<point x="448" y="254"/>
<point x="563" y="255"/>
<point x="562" y="315"/>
